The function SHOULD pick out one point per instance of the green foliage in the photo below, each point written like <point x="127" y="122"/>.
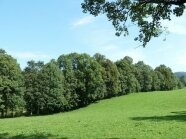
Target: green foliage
<point x="86" y="72"/>
<point x="180" y="85"/>
<point x="110" y="75"/>
<point x="182" y="79"/>
<point x="44" y="88"/>
<point x="70" y="81"/>
<point x="136" y="116"/>
<point x="2" y="51"/>
<point x="169" y="80"/>
<point x="74" y="81"/>
<point x="144" y="75"/>
<point x="146" y="14"/>
<point x="1" y="102"/>
<point x="11" y="85"/>
<point x="156" y="81"/>
<point x="52" y="88"/>
<point x="33" y="94"/>
<point x="128" y="80"/>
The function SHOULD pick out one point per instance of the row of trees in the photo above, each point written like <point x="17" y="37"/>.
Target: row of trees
<point x="73" y="81"/>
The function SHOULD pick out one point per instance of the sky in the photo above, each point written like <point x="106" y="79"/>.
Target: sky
<point x="45" y="29"/>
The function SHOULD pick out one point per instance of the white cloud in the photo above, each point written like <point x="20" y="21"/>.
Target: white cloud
<point x="135" y="54"/>
<point x="176" y="25"/>
<point x="29" y="55"/>
<point x="178" y="29"/>
<point x="116" y="52"/>
<point x="181" y="58"/>
<point x="102" y="40"/>
<point x="83" y="21"/>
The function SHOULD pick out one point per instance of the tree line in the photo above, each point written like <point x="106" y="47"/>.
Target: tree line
<point x="73" y="81"/>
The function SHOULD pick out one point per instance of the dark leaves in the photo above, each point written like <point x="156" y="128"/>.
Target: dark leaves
<point x="147" y="15"/>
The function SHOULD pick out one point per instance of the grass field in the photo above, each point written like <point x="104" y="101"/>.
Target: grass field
<point x="157" y="115"/>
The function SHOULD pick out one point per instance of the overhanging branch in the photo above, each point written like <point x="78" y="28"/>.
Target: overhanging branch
<point x="169" y="2"/>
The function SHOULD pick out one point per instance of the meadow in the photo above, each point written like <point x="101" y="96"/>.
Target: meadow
<point x="153" y="115"/>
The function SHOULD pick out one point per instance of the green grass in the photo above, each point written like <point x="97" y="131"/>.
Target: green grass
<point x="157" y="115"/>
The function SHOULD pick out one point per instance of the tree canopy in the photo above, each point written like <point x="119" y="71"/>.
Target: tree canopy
<point x="11" y="85"/>
<point x="87" y="81"/>
<point x="74" y="81"/>
<point x="128" y="81"/>
<point x="169" y="78"/>
<point x="33" y="96"/>
<point x="146" y="14"/>
<point x="110" y="75"/>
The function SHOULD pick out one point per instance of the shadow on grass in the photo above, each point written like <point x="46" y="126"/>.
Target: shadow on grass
<point x="176" y="116"/>
<point x="109" y="138"/>
<point x="33" y="136"/>
<point x="112" y="138"/>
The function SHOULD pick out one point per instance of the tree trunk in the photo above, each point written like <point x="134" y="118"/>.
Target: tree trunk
<point x="2" y="114"/>
<point x="6" y="112"/>
<point x="38" y="110"/>
<point x="31" y="110"/>
<point x="12" y="113"/>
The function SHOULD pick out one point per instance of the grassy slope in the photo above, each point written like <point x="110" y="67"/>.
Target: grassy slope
<point x="145" y="115"/>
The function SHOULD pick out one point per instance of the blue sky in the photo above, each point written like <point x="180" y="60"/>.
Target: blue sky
<point x="45" y="29"/>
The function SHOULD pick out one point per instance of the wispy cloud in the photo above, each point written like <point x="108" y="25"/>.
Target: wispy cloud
<point x="105" y="42"/>
<point x="117" y="52"/>
<point x="176" y="25"/>
<point x="84" y="21"/>
<point x="29" y="55"/>
<point x="181" y="58"/>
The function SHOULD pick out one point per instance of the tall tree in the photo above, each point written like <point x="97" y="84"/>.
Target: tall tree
<point x="91" y="86"/>
<point x="156" y="81"/>
<point x="2" y="51"/>
<point x="87" y="73"/>
<point x="110" y="75"/>
<point x="33" y="95"/>
<point x="179" y="84"/>
<point x="146" y="14"/>
<point x="11" y="85"/>
<point x="144" y="76"/>
<point x="183" y="80"/>
<point x="70" y="81"/>
<point x="52" y="88"/>
<point x="128" y="81"/>
<point x="169" y="79"/>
